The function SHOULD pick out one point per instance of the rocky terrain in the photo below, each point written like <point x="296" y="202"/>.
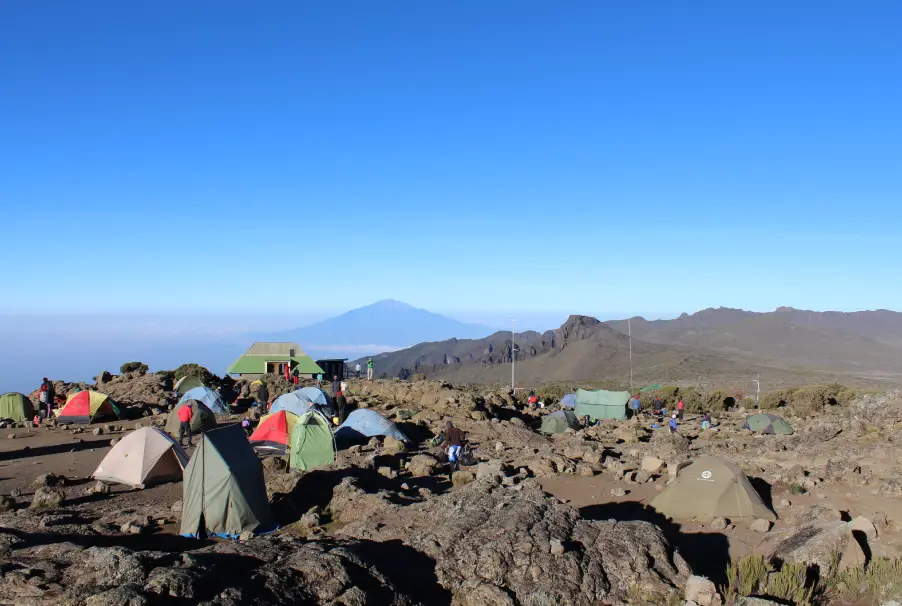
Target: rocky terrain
<point x="533" y="520"/>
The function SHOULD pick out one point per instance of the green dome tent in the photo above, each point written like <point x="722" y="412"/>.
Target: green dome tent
<point x="15" y="406"/>
<point x="312" y="442"/>
<point x="711" y="488"/>
<point x="768" y="423"/>
<point x="224" y="493"/>
<point x="601" y="404"/>
<point x="202" y="420"/>
<point x="559" y="422"/>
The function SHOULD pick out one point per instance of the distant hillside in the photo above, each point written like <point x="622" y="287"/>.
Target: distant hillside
<point x="865" y="340"/>
<point x="382" y="325"/>
<point x="581" y="349"/>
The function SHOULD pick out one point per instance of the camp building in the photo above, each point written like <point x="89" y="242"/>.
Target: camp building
<point x="271" y="358"/>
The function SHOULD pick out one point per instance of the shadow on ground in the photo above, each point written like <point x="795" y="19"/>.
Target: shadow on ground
<point x="43" y="451"/>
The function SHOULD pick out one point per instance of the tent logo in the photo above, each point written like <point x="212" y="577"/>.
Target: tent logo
<point x="706" y="475"/>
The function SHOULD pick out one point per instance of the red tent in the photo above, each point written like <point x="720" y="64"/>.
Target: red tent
<point x="273" y="432"/>
<point x="85" y="406"/>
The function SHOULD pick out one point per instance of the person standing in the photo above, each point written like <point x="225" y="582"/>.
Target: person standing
<point x="681" y="408"/>
<point x="635" y="404"/>
<point x="335" y="387"/>
<point x="319" y="380"/>
<point x="185" y="416"/>
<point x="658" y="405"/>
<point x="262" y="395"/>
<point x="46" y="396"/>
<point x="673" y="423"/>
<point x="357" y="370"/>
<point x="369" y="369"/>
<point x="454" y="439"/>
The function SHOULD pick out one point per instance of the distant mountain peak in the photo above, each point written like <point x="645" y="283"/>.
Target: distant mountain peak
<point x="389" y="304"/>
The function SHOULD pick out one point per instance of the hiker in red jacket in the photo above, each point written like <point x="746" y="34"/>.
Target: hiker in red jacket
<point x="681" y="408"/>
<point x="185" y="416"/>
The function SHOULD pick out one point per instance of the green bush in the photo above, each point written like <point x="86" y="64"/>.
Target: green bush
<point x="133" y="366"/>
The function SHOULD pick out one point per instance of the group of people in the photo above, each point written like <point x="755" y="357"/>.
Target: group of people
<point x="369" y="369"/>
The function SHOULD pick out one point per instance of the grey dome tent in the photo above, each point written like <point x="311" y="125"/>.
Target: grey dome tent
<point x="223" y="490"/>
<point x="295" y="402"/>
<point x="315" y="395"/>
<point x="209" y="397"/>
<point x="711" y="488"/>
<point x="202" y="420"/>
<point x="365" y="423"/>
<point x="568" y="401"/>
<point x="559" y="422"/>
<point x="186" y="384"/>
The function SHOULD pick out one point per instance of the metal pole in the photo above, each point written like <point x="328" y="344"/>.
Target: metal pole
<point x="757" y="390"/>
<point x="513" y="356"/>
<point x="629" y="327"/>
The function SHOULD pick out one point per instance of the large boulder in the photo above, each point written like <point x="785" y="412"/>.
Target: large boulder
<point x="518" y="545"/>
<point x="504" y="540"/>
<point x="422" y="465"/>
<point x="276" y="570"/>
<point x="817" y="544"/>
<point x="47" y="498"/>
<point x="669" y="446"/>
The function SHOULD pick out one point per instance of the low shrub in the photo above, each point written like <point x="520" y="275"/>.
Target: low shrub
<point x="134" y="366"/>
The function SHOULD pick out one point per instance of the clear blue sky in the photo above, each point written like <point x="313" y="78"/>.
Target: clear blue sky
<point x="468" y="155"/>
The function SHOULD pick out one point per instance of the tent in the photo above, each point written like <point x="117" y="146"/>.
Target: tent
<point x="768" y="423"/>
<point x="569" y="401"/>
<point x="294" y="402"/>
<point x="223" y="489"/>
<point x="559" y="422"/>
<point x="601" y="404"/>
<point x="711" y="488"/>
<point x="312" y="442"/>
<point x="185" y="384"/>
<point x="273" y="432"/>
<point x="142" y="457"/>
<point x="315" y="395"/>
<point x="15" y="406"/>
<point x="202" y="420"/>
<point x="209" y="397"/>
<point x="365" y="423"/>
<point x="85" y="406"/>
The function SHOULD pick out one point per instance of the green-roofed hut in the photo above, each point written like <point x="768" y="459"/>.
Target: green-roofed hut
<point x="270" y="359"/>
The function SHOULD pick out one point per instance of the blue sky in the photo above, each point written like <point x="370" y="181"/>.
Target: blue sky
<point x="475" y="158"/>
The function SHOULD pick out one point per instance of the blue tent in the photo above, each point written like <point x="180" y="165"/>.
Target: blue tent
<point x="569" y="401"/>
<point x="296" y="402"/>
<point x="209" y="397"/>
<point x="315" y="395"/>
<point x="364" y="423"/>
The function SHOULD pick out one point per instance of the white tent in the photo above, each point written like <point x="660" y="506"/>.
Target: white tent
<point x="144" y="456"/>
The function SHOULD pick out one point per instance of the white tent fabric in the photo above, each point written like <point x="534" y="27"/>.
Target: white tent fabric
<point x="144" y="456"/>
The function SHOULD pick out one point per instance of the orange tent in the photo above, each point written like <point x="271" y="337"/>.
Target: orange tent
<point x="273" y="432"/>
<point x="84" y="406"/>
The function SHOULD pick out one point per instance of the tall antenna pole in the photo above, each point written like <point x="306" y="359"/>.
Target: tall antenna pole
<point x="513" y="356"/>
<point x="757" y="390"/>
<point x="629" y="327"/>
